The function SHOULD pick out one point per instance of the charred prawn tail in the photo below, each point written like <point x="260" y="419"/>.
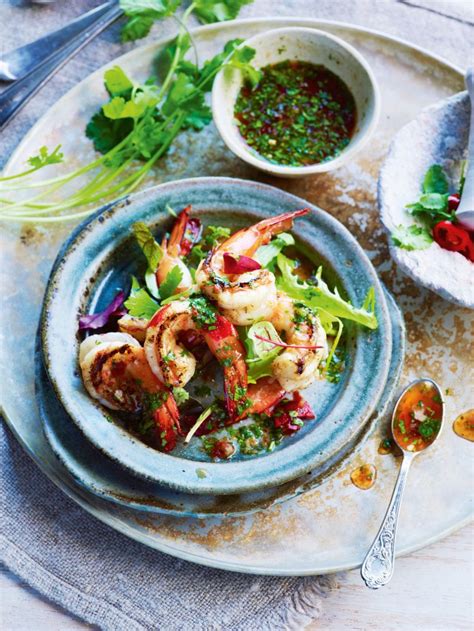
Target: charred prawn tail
<point x="268" y="228"/>
<point x="224" y="343"/>
<point x="166" y="419"/>
<point x="185" y="233"/>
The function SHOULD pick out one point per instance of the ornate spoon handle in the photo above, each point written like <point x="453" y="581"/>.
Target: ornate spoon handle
<point x="377" y="568"/>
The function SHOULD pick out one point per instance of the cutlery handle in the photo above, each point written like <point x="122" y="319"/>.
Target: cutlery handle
<point x="17" y="95"/>
<point x="17" y="63"/>
<point x="377" y="568"/>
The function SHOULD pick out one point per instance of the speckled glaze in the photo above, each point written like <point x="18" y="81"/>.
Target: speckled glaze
<point x="99" y="258"/>
<point x="441" y="133"/>
<point x="328" y="528"/>
<point x="100" y="475"/>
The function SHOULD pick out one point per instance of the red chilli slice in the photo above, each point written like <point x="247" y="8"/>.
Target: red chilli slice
<point x="283" y="345"/>
<point x="239" y="265"/>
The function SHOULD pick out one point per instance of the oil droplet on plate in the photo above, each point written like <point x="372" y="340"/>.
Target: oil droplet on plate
<point x="463" y="426"/>
<point x="364" y="476"/>
<point x="201" y="473"/>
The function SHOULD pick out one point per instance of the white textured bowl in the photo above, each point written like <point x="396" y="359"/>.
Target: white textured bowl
<point x="303" y="44"/>
<point x="438" y="135"/>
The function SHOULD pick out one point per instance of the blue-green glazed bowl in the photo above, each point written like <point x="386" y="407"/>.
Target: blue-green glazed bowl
<point x="100" y="256"/>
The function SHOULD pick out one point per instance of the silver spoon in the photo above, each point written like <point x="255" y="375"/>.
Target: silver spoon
<point x="377" y="568"/>
<point x="465" y="210"/>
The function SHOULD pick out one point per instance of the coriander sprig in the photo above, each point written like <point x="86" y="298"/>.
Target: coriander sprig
<point x="134" y="129"/>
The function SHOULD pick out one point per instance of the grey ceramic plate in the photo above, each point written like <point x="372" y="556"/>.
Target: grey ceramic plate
<point x="103" y="477"/>
<point x="100" y="256"/>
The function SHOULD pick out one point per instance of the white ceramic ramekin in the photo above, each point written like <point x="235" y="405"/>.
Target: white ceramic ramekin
<point x="303" y="44"/>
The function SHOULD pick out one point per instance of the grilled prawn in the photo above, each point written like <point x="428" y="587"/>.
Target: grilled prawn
<point x="116" y="373"/>
<point x="297" y="366"/>
<point x="249" y="296"/>
<point x="174" y="365"/>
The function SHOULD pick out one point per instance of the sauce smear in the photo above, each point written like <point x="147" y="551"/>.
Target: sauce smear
<point x="463" y="426"/>
<point x="418" y="417"/>
<point x="298" y="114"/>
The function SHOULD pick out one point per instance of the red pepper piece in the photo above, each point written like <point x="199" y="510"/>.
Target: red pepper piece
<point x="451" y="237"/>
<point x="299" y="409"/>
<point x="453" y="201"/>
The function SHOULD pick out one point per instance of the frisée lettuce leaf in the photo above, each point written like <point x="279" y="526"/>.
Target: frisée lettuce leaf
<point x="318" y="296"/>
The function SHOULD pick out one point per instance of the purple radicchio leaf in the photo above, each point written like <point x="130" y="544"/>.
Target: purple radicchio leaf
<point x="99" y="320"/>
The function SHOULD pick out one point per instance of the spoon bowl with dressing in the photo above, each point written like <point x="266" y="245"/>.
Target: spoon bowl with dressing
<point x="416" y="424"/>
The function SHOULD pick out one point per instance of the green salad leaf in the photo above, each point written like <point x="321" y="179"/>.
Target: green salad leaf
<point x="413" y="237"/>
<point x="266" y="254"/>
<point x="260" y="354"/>
<point x="140" y="304"/>
<point x="320" y="297"/>
<point x="169" y="286"/>
<point x="150" y="248"/>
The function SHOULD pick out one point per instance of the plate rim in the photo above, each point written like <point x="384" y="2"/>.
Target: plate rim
<point x="261" y="468"/>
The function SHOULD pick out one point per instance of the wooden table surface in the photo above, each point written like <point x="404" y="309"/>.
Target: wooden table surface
<point x="432" y="589"/>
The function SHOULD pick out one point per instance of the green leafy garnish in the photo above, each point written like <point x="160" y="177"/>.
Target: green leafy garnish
<point x="209" y="11"/>
<point x="429" y="428"/>
<point x="180" y="396"/>
<point x="435" y="180"/>
<point x="150" y="248"/>
<point x="44" y="158"/>
<point x="142" y="14"/>
<point x="320" y="297"/>
<point x="413" y="237"/>
<point x="139" y="303"/>
<point x="266" y="254"/>
<point x="138" y="123"/>
<point x="170" y="284"/>
<point x="260" y="354"/>
<point x="432" y="206"/>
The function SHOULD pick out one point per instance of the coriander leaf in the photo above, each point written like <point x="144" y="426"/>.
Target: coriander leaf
<point x="142" y="14"/>
<point x="181" y="89"/>
<point x="199" y="116"/>
<point x="240" y="60"/>
<point x="266" y="254"/>
<point x="171" y="282"/>
<point x="209" y="11"/>
<point x="320" y="297"/>
<point x="139" y="303"/>
<point x="117" y="83"/>
<point x="105" y="133"/>
<point x="180" y="395"/>
<point x="165" y="57"/>
<point x="213" y="235"/>
<point x="434" y="201"/>
<point x="150" y="248"/>
<point x="412" y="237"/>
<point x="43" y="157"/>
<point x="136" y="27"/>
<point x="118" y="107"/>
<point x="435" y="180"/>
